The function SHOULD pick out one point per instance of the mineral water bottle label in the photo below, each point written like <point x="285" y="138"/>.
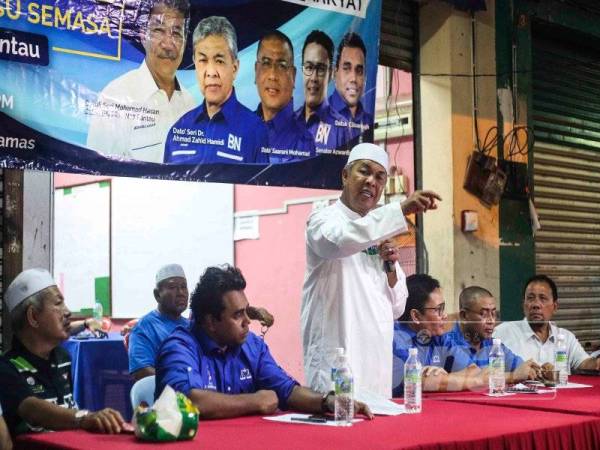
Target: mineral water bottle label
<point x="561" y="357"/>
<point x="412" y="390"/>
<point x="496" y="376"/>
<point x="413" y="376"/>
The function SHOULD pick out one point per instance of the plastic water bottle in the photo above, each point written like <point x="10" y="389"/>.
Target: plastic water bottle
<point x="97" y="314"/>
<point x="344" y="391"/>
<point x="337" y="361"/>
<point x="497" y="382"/>
<point x="412" y="383"/>
<point x="561" y="360"/>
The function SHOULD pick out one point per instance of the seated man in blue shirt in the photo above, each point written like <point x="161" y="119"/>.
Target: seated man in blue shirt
<point x="221" y="129"/>
<point x="275" y="74"/>
<point x="446" y="367"/>
<point x="316" y="115"/>
<point x="474" y="334"/>
<point x="350" y="80"/>
<point x="171" y="294"/>
<point x="226" y="370"/>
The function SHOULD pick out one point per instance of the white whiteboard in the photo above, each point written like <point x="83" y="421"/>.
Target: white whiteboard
<point x="161" y="222"/>
<point x="81" y="241"/>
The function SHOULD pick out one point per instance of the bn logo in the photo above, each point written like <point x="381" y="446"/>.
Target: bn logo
<point x="323" y="133"/>
<point x="6" y="101"/>
<point x="234" y="142"/>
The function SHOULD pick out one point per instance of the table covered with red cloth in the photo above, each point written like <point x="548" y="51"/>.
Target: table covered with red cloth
<point x="584" y="401"/>
<point x="441" y="425"/>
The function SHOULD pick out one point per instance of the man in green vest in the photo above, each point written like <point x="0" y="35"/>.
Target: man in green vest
<point x="35" y="374"/>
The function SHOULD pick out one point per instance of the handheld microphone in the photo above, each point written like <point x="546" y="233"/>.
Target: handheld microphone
<point x="388" y="266"/>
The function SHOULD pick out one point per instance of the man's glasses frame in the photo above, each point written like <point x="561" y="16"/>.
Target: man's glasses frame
<point x="308" y="68"/>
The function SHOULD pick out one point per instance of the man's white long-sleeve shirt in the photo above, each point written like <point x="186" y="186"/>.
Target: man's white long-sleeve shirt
<point x="133" y="116"/>
<point x="346" y="300"/>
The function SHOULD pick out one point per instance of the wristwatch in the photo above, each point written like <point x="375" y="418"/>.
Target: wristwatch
<point x="79" y="415"/>
<point x="324" y="406"/>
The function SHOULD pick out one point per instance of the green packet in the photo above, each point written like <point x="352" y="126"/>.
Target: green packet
<point x="172" y="417"/>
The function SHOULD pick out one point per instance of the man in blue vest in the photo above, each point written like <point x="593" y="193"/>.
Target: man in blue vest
<point x="221" y="129"/>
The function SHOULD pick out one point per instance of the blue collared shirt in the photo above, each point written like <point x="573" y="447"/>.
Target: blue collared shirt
<point x="360" y="124"/>
<point x="146" y="337"/>
<point x="189" y="359"/>
<point x="233" y="135"/>
<point x="481" y="357"/>
<point x="436" y="351"/>
<point x="328" y="138"/>
<point x="287" y="139"/>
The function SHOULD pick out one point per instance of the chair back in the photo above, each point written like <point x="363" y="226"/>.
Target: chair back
<point x="143" y="391"/>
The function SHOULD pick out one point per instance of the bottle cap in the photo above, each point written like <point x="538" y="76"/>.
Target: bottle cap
<point x="497" y="341"/>
<point x="413" y="351"/>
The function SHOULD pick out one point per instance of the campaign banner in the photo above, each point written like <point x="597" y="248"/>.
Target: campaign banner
<point x="270" y="92"/>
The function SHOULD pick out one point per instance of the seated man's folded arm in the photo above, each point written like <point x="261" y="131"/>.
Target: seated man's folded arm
<point x="215" y="405"/>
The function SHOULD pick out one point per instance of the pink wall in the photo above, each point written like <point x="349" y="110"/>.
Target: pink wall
<point x="274" y="266"/>
<point x="72" y="179"/>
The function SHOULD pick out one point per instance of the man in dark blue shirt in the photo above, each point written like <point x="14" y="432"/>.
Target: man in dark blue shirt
<point x="221" y="129"/>
<point x="474" y="331"/>
<point x="275" y="74"/>
<point x="316" y="115"/>
<point x="225" y="369"/>
<point x="349" y="88"/>
<point x="445" y="366"/>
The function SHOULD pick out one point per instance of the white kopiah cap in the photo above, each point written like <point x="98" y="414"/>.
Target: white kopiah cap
<point x="369" y="151"/>
<point x="27" y="283"/>
<point x="169" y="271"/>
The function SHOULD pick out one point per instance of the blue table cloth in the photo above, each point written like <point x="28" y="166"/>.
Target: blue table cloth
<point x="100" y="374"/>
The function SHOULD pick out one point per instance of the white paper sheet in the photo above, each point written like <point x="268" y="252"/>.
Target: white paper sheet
<point x="380" y="405"/>
<point x="574" y="386"/>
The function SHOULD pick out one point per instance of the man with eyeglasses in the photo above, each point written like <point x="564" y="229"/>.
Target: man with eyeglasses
<point x="316" y="115"/>
<point x="350" y="80"/>
<point x="133" y="112"/>
<point x="473" y="332"/>
<point x="221" y="129"/>
<point x="446" y="367"/>
<point x="535" y="337"/>
<point x="274" y="77"/>
<point x="171" y="295"/>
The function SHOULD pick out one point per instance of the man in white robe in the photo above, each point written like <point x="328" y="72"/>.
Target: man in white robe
<point x="354" y="286"/>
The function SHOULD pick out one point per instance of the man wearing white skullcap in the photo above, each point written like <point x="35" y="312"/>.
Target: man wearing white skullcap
<point x="35" y="374"/>
<point x="171" y="294"/>
<point x="354" y="287"/>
